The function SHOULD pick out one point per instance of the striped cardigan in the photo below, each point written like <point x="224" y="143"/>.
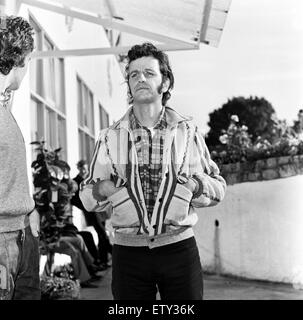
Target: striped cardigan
<point x="185" y="154"/>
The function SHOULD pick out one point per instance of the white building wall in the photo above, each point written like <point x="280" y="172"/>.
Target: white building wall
<point x="259" y="234"/>
<point x="95" y="71"/>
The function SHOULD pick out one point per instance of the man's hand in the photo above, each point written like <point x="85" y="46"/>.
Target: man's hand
<point x="107" y="188"/>
<point x="191" y="185"/>
<point x="34" y="222"/>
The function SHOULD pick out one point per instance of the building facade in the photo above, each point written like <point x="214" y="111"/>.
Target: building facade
<point x="67" y="101"/>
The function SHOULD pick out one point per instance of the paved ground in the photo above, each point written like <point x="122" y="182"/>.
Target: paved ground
<point x="215" y="288"/>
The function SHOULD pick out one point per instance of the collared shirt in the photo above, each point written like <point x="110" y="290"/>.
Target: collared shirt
<point x="170" y="216"/>
<point x="149" y="146"/>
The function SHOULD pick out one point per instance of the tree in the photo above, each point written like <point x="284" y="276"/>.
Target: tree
<point x="255" y="113"/>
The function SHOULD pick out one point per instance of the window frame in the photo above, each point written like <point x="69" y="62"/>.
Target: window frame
<point x="86" y="126"/>
<point x="38" y="95"/>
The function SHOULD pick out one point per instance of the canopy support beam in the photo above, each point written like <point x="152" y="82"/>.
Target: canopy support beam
<point x="110" y="23"/>
<point x="98" y="51"/>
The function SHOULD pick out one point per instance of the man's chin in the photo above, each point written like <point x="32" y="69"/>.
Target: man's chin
<point x="144" y="99"/>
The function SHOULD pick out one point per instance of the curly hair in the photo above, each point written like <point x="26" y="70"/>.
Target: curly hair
<point x="149" y="50"/>
<point x="16" y="42"/>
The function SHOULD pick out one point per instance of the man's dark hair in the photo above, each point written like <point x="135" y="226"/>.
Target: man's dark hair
<point x="149" y="50"/>
<point x="81" y="163"/>
<point x="16" y="42"/>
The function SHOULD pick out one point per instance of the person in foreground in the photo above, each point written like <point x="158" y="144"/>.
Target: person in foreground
<point x="153" y="168"/>
<point x="19" y="221"/>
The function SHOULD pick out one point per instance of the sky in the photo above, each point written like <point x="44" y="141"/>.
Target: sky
<point x="260" y="54"/>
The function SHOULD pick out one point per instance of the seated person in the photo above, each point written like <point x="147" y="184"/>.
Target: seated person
<point x="97" y="220"/>
<point x="70" y="241"/>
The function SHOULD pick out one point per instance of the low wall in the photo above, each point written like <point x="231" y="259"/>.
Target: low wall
<point x="257" y="231"/>
<point x="265" y="169"/>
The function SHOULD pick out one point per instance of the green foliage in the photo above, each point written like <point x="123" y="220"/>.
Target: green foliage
<point x="253" y="112"/>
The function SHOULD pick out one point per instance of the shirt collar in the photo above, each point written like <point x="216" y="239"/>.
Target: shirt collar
<point x="171" y="117"/>
<point x="160" y="124"/>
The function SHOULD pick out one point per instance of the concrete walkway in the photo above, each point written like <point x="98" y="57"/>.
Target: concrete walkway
<point x="215" y="288"/>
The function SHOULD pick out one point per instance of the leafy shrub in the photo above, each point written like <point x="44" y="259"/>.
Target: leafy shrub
<point x="53" y="191"/>
<point x="237" y="145"/>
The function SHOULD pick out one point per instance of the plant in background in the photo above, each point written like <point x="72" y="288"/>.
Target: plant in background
<point x="285" y="141"/>
<point x="53" y="190"/>
<point x="261" y="149"/>
<point x="253" y="112"/>
<point x="236" y="141"/>
<point x="237" y="146"/>
<point x="59" y="288"/>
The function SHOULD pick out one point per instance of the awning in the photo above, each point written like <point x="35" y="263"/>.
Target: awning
<point x="171" y="24"/>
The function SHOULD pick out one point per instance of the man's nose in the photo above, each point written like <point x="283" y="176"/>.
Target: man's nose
<point x="141" y="77"/>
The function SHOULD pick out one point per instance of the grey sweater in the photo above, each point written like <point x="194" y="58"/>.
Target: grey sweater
<point x="15" y="199"/>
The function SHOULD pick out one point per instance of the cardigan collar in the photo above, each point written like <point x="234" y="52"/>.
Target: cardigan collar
<point x="172" y="118"/>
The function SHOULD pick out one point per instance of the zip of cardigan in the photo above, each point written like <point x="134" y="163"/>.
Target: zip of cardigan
<point x="169" y="181"/>
<point x="166" y="190"/>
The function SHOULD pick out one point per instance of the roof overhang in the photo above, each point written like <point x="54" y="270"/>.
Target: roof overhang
<point x="172" y="24"/>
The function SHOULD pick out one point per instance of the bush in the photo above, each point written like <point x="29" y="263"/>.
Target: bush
<point x="237" y="145"/>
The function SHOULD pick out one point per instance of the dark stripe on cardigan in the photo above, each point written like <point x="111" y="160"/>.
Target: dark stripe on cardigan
<point x="161" y="204"/>
<point x="136" y="185"/>
<point x="171" y="193"/>
<point x="92" y="165"/>
<point x="129" y="187"/>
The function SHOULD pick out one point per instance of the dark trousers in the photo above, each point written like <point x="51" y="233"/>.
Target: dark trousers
<point x="90" y="244"/>
<point x="174" y="270"/>
<point x="104" y="245"/>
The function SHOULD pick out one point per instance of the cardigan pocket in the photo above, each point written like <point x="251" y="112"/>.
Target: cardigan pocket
<point x="179" y="206"/>
<point x="124" y="211"/>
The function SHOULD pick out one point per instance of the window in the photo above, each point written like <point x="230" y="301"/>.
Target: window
<point x="48" y="119"/>
<point x="37" y="122"/>
<point x="86" y="128"/>
<point x="104" y="117"/>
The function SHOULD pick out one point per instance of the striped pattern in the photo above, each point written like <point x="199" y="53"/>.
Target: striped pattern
<point x="89" y="178"/>
<point x="135" y="190"/>
<point x="174" y="143"/>
<point x="162" y="206"/>
<point x="149" y="154"/>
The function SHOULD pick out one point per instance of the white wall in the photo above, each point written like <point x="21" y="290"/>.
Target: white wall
<point x="95" y="71"/>
<point x="260" y="233"/>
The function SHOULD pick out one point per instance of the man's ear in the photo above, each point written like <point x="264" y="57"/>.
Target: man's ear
<point x="165" y="85"/>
